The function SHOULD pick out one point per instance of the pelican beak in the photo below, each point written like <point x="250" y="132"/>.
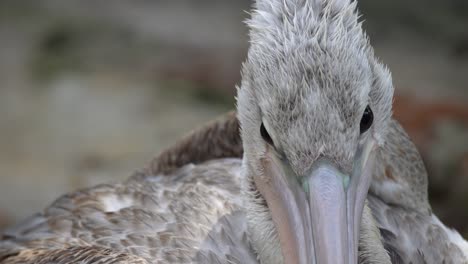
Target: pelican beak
<point x="317" y="215"/>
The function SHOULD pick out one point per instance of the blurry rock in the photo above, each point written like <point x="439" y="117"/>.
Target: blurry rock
<point x="420" y="117"/>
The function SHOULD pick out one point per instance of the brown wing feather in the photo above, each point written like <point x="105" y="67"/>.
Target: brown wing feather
<point x="74" y="254"/>
<point x="217" y="139"/>
<point x="162" y="219"/>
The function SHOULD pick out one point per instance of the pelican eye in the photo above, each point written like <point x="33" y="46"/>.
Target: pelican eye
<point x="265" y="135"/>
<point x="366" y="120"/>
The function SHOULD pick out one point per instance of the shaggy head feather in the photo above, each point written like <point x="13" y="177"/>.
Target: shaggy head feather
<point x="309" y="75"/>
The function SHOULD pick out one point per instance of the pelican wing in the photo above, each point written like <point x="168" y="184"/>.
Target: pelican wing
<point x="411" y="237"/>
<point x="73" y="254"/>
<point x="192" y="215"/>
<point x="214" y="140"/>
<point x="399" y="202"/>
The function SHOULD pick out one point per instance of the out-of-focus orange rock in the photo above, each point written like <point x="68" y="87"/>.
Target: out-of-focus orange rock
<point x="418" y="117"/>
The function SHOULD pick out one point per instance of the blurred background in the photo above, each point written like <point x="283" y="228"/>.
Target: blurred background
<point x="91" y="90"/>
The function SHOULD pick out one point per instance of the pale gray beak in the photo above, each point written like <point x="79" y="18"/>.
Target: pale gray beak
<point x="317" y="215"/>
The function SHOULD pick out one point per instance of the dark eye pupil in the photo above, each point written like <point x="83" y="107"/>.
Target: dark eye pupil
<point x="367" y="119"/>
<point x="265" y="135"/>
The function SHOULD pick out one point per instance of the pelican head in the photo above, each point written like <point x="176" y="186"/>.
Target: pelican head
<point x="314" y="105"/>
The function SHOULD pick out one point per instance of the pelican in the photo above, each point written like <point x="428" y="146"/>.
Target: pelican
<point x="317" y="140"/>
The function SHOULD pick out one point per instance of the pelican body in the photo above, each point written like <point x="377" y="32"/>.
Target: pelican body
<point x="317" y="144"/>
